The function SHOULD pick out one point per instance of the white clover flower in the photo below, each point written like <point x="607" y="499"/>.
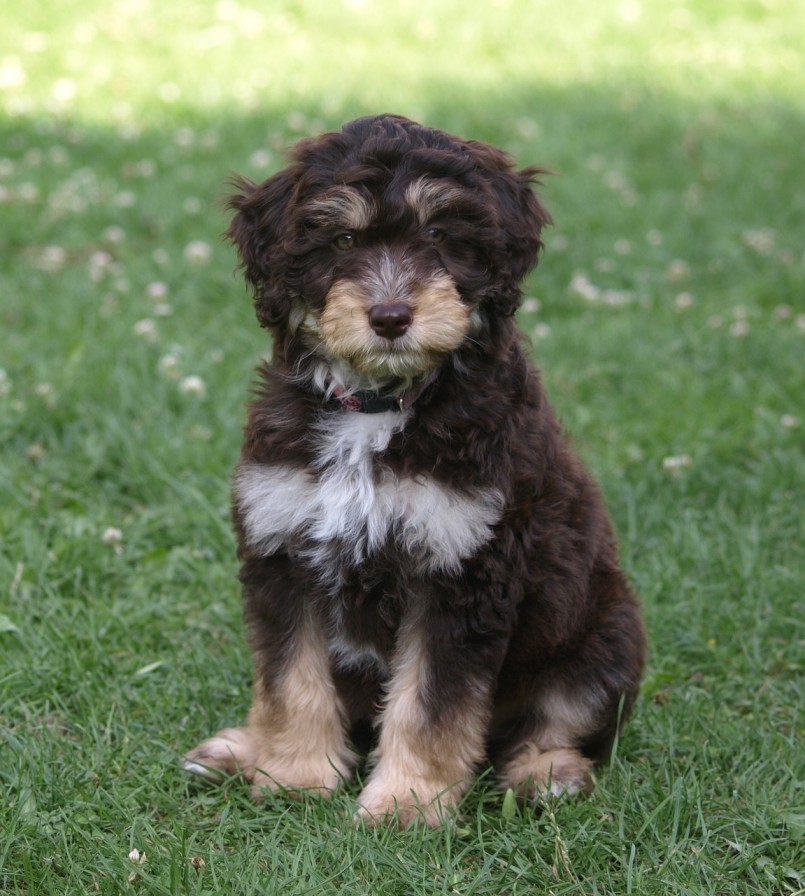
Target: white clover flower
<point x="677" y="271"/>
<point x="5" y="384"/>
<point x="297" y="121"/>
<point x="114" y="538"/>
<point x="169" y="366"/>
<point x="136" y="858"/>
<point x="28" y="192"/>
<point x="113" y="234"/>
<point x="739" y="328"/>
<point x="125" y="199"/>
<point x="47" y="393"/>
<point x="157" y="291"/>
<point x="99" y="263"/>
<point x="531" y="305"/>
<point x="761" y="241"/>
<point x="198" y="252"/>
<point x="675" y="464"/>
<point x="146" y="329"/>
<point x="684" y="301"/>
<point x="145" y="168"/>
<point x="193" y="385"/>
<point x="200" y="433"/>
<point x="184" y="137"/>
<point x="210" y="139"/>
<point x="260" y="158"/>
<point x="582" y="286"/>
<point x="789" y="421"/>
<point x="35" y="452"/>
<point x="616" y="298"/>
<point x="52" y="258"/>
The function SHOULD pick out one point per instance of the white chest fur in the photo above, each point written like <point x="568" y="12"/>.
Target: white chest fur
<point x="347" y="503"/>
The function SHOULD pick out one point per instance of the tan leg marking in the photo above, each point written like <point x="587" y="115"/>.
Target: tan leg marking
<point x="534" y="772"/>
<point x="422" y="771"/>
<point x="294" y="738"/>
<point x="549" y="763"/>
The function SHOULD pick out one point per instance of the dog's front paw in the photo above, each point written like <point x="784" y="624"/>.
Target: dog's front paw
<point x="242" y="751"/>
<point x="230" y="752"/>
<point x="405" y="803"/>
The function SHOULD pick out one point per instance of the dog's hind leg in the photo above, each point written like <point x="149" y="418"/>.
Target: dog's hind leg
<point x="546" y="758"/>
<point x="565" y="728"/>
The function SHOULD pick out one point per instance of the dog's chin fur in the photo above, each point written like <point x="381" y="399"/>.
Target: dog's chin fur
<point x="436" y="583"/>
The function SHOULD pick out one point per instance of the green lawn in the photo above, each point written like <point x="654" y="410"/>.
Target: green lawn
<point x="668" y="315"/>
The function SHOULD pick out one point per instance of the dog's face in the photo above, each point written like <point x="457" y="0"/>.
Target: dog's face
<point x="387" y="245"/>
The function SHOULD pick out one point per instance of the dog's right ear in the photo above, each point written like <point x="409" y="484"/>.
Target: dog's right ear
<point x="257" y="229"/>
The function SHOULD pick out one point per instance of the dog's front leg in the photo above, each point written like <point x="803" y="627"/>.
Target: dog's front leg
<point x="432" y="736"/>
<point x="294" y="738"/>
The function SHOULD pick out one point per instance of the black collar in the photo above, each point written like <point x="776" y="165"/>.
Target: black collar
<point x="379" y="403"/>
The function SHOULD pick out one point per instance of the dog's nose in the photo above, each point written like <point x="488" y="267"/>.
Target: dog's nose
<point x="390" y="320"/>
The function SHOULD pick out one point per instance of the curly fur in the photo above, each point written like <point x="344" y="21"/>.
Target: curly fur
<point x="437" y="581"/>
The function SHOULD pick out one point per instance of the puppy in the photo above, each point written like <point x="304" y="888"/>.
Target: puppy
<point x="428" y="571"/>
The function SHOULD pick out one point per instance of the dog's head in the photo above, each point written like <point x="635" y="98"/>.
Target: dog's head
<point x="385" y="246"/>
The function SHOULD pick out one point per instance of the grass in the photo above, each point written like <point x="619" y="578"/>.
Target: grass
<point x="667" y="315"/>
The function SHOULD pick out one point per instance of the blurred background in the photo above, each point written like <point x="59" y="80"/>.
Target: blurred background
<point x="667" y="313"/>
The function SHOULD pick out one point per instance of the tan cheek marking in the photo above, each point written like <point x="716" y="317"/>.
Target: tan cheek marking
<point x="441" y="319"/>
<point x="344" y="325"/>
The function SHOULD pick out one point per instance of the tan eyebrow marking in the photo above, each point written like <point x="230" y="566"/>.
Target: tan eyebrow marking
<point x="341" y="207"/>
<point x="427" y="197"/>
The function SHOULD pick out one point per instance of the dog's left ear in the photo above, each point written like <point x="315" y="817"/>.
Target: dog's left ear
<point x="521" y="217"/>
<point x="257" y="229"/>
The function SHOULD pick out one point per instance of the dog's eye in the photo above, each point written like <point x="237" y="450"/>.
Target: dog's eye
<point x="344" y="241"/>
<point x="435" y="234"/>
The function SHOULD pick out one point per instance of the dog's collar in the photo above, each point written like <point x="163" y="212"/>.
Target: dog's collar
<point x="368" y="402"/>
